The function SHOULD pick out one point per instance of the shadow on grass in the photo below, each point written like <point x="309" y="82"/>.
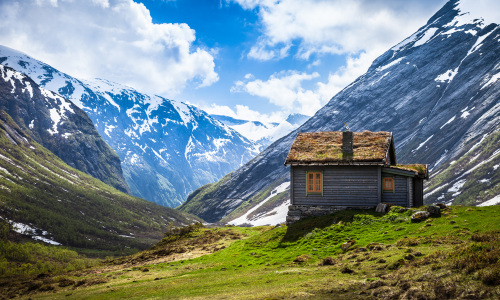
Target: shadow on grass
<point x="303" y="227"/>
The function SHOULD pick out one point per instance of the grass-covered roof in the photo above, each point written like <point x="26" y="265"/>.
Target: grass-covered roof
<point x="326" y="147"/>
<point x="420" y="169"/>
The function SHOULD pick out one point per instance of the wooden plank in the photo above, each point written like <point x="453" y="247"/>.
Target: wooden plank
<point x="291" y="186"/>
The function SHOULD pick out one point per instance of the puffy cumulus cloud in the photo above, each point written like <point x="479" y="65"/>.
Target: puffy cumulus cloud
<point x="285" y="90"/>
<point x="243" y="112"/>
<point x="332" y="27"/>
<point x="113" y="39"/>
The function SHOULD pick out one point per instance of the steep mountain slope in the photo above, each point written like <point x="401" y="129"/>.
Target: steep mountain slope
<point x="437" y="91"/>
<point x="167" y="148"/>
<point x="264" y="134"/>
<point x="44" y="198"/>
<point x="59" y="126"/>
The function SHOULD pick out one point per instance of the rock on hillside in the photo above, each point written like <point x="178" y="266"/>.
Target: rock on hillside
<point x="437" y="91"/>
<point x="59" y="126"/>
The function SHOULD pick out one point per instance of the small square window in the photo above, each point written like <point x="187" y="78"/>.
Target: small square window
<point x="388" y="184"/>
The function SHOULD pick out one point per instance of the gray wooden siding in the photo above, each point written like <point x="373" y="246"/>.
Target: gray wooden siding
<point x="342" y="185"/>
<point x="410" y="191"/>
<point x="400" y="194"/>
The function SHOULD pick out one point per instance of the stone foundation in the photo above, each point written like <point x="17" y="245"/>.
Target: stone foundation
<point x="298" y="212"/>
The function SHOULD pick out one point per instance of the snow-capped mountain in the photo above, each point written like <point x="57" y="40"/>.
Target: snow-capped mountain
<point x="167" y="148"/>
<point x="264" y="134"/>
<point x="438" y="91"/>
<point x="59" y="126"/>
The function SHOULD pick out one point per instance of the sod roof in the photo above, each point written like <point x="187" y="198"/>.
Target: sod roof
<point x="326" y="148"/>
<point x="420" y="169"/>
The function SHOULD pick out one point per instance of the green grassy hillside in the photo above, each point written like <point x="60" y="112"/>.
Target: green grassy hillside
<point x="54" y="202"/>
<point x="346" y="255"/>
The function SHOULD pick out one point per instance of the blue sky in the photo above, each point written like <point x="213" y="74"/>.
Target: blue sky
<point x="251" y="59"/>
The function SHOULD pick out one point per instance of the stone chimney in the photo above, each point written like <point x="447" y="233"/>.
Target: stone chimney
<point x="347" y="147"/>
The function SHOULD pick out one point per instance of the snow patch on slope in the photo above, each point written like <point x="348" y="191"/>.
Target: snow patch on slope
<point x="493" y="201"/>
<point x="426" y="37"/>
<point x="276" y="216"/>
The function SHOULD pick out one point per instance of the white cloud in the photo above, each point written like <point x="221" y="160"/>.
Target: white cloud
<point x="332" y="27"/>
<point x="285" y="90"/>
<point x="243" y="112"/>
<point x="114" y="39"/>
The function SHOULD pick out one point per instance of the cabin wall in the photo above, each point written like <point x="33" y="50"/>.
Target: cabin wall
<point x="418" y="193"/>
<point x="401" y="193"/>
<point x="353" y="186"/>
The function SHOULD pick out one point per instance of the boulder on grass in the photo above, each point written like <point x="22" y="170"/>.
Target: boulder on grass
<point x="434" y="210"/>
<point x="420" y="216"/>
<point x="381" y="207"/>
<point x="441" y="205"/>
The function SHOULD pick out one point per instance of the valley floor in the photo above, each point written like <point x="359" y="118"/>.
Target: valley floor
<point x="347" y="255"/>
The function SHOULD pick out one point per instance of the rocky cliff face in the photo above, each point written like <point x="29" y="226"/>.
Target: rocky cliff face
<point x="437" y="91"/>
<point x="168" y="148"/>
<point x="59" y="126"/>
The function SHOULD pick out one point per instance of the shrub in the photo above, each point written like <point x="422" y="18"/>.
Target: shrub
<point x="328" y="261"/>
<point x="301" y="258"/>
<point x="182" y="231"/>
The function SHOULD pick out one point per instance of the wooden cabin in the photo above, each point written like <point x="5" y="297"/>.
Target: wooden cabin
<point x="331" y="171"/>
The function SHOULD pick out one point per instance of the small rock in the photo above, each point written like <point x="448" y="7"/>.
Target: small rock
<point x="442" y="206"/>
<point x="381" y="207"/>
<point x="346" y="270"/>
<point x="420" y="216"/>
<point x="409" y="257"/>
<point x="418" y="253"/>
<point x="345" y="246"/>
<point x="435" y="211"/>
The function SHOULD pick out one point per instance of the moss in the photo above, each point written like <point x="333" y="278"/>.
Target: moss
<point x="327" y="147"/>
